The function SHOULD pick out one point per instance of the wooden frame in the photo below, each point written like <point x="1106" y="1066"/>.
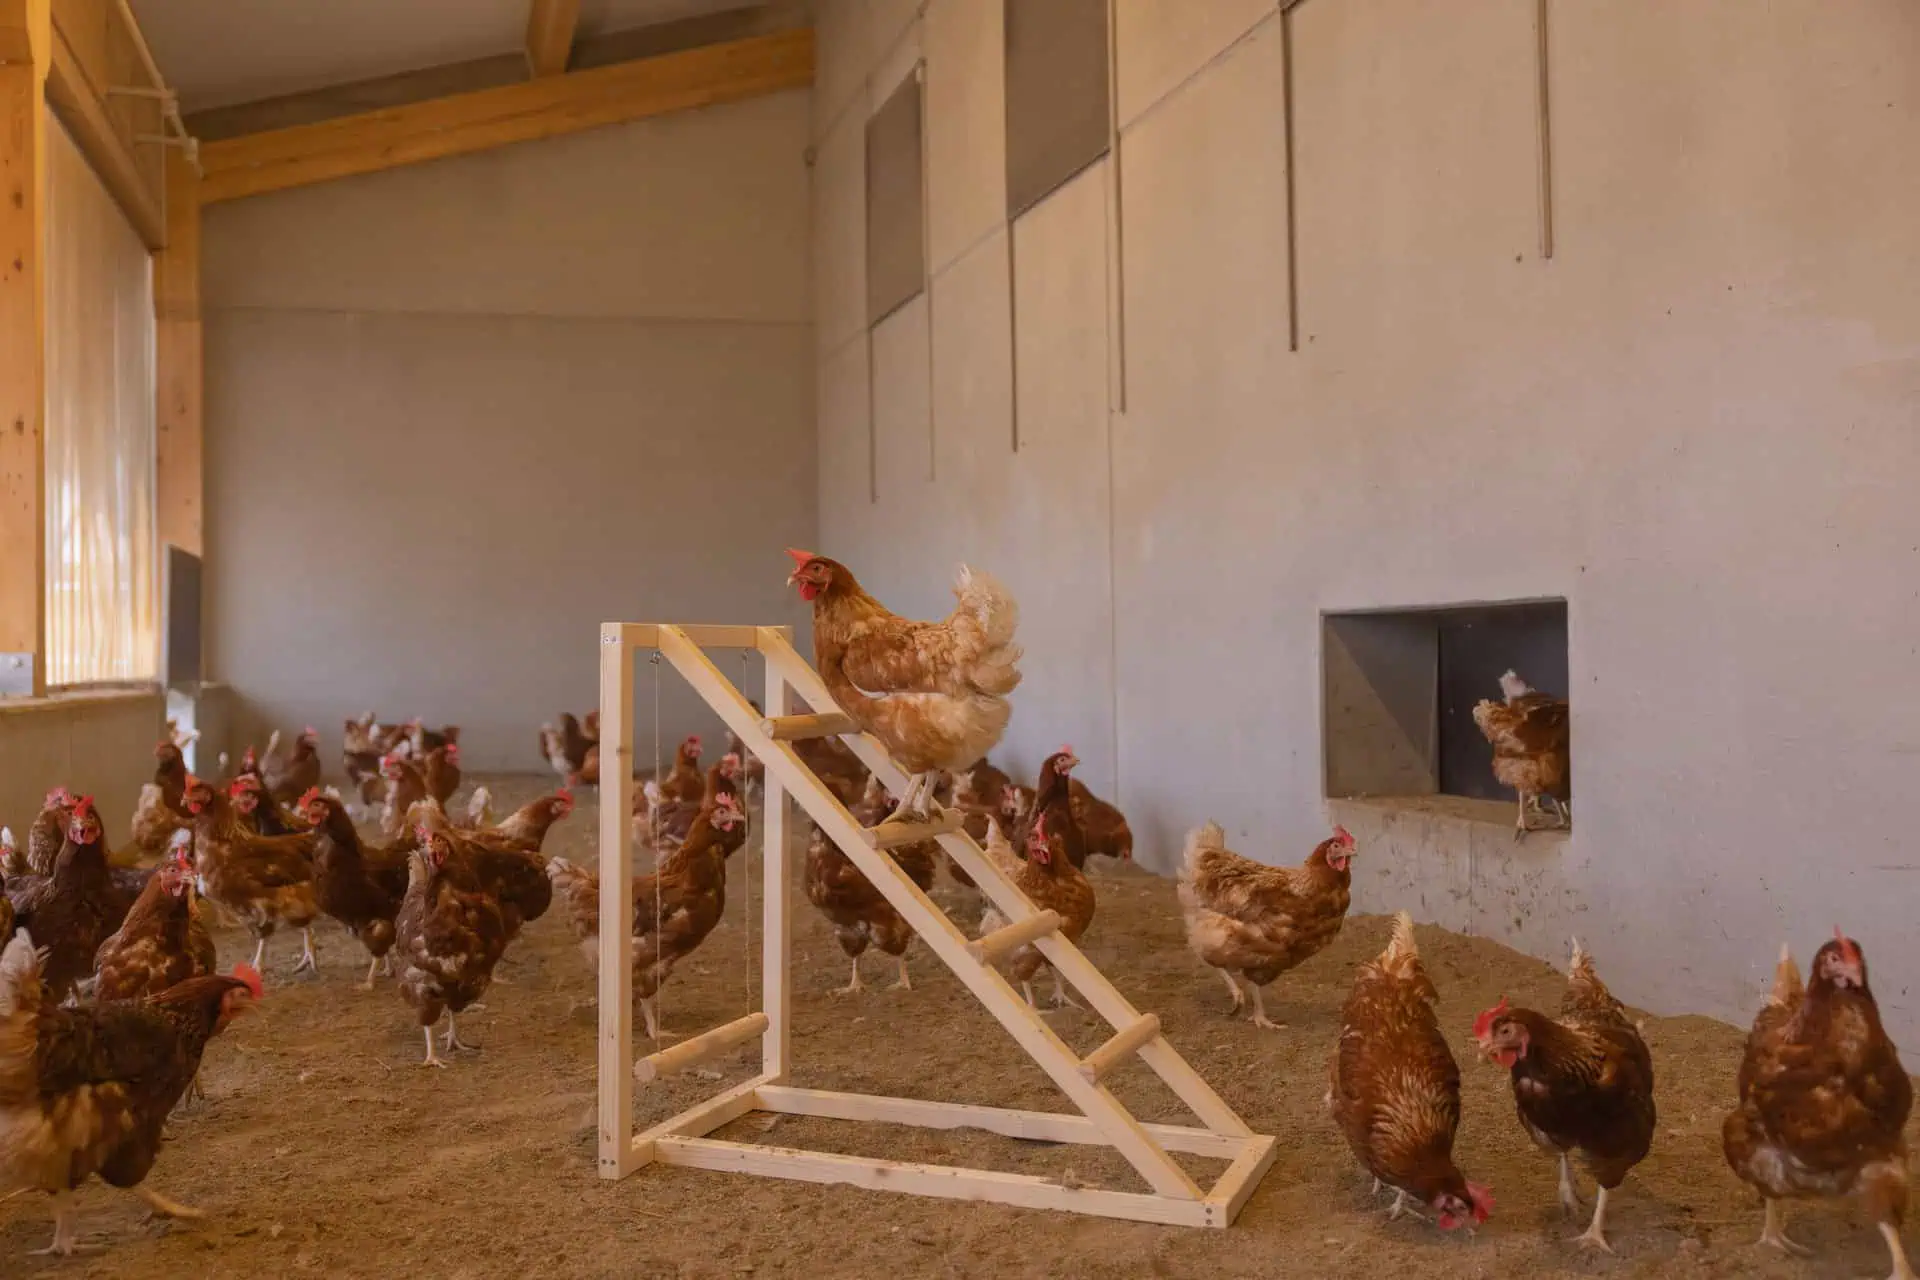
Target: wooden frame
<point x="546" y="107"/>
<point x="1173" y="1198"/>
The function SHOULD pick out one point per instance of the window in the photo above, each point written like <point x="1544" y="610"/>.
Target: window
<point x="896" y="245"/>
<point x="1058" y="113"/>
<point x="1400" y="687"/>
<point x="102" y="605"/>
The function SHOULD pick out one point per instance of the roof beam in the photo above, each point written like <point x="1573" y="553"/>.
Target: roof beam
<point x="550" y="27"/>
<point x="256" y="164"/>
<point x="87" y="116"/>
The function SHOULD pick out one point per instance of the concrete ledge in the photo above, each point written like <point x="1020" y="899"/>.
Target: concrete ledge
<point x="1453" y="862"/>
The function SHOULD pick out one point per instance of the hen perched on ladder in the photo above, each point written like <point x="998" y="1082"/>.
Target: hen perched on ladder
<point x="933" y="693"/>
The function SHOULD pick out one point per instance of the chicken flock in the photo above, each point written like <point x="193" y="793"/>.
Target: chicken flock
<point x="110" y="990"/>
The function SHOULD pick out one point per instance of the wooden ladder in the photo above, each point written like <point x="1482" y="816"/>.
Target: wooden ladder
<point x="1173" y="1197"/>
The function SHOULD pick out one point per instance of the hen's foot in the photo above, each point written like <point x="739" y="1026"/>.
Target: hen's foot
<point x="1260" y="1018"/>
<point x="432" y="1059"/>
<point x="906" y="982"/>
<point x="1400" y="1207"/>
<point x="853" y="984"/>
<point x="1774" y="1234"/>
<point x="1595" y="1236"/>
<point x="450" y="1038"/>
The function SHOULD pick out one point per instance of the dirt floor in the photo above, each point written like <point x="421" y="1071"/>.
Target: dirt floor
<point x="326" y="1151"/>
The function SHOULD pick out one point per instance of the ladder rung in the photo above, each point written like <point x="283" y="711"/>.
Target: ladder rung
<point x="797" y="728"/>
<point x="1003" y="940"/>
<point x="1125" y="1043"/>
<point x="698" y="1049"/>
<point x="891" y="835"/>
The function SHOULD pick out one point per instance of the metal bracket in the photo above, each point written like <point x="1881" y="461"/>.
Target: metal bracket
<point x="16" y="675"/>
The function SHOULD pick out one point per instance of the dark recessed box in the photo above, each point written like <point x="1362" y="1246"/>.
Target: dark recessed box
<point x="1399" y="687"/>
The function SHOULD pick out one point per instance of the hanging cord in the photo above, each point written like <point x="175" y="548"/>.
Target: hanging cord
<point x="653" y="815"/>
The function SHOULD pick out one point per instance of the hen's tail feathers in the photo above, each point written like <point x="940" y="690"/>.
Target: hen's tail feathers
<point x="479" y="806"/>
<point x="994" y="611"/>
<point x="1787" y="988"/>
<point x="1401" y="945"/>
<point x="273" y="745"/>
<point x="1580" y="964"/>
<point x="1207" y="838"/>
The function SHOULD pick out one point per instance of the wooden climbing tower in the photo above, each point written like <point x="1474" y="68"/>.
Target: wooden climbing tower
<point x="1174" y="1198"/>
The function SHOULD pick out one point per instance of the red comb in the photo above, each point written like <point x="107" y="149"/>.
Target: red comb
<point x="83" y="807"/>
<point x="313" y="793"/>
<point x="1847" y="946"/>
<point x="1343" y="835"/>
<point x="251" y="976"/>
<point x="310" y="732"/>
<point x="59" y="796"/>
<point x="801" y="557"/>
<point x="1483" y="1025"/>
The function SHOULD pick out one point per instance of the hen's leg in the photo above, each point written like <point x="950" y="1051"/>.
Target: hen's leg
<point x="905" y="983"/>
<point x="1399" y="1203"/>
<point x="1901" y="1269"/>
<point x="373" y="967"/>
<point x="451" y="1041"/>
<point x="161" y="1207"/>
<point x="432" y="1059"/>
<point x="259" y="951"/>
<point x="1027" y="986"/>
<point x="1061" y="1000"/>
<point x="1569" y="1193"/>
<point x="653" y="1022"/>
<point x="853" y="984"/>
<point x="307" y="963"/>
<point x="386" y="965"/>
<point x="1595" y="1236"/>
<point x="1233" y="989"/>
<point x="911" y="805"/>
<point x="1774" y="1233"/>
<point x="66" y="1241"/>
<point x="1260" y="1018"/>
<point x="1520" y="827"/>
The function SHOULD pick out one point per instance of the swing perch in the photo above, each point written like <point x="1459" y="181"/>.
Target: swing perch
<point x="1174" y="1198"/>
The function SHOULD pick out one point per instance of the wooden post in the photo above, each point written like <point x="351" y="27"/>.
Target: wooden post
<point x="179" y="362"/>
<point x="27" y="28"/>
<point x="776" y="887"/>
<point x="616" y="903"/>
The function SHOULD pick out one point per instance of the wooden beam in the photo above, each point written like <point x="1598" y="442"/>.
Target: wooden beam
<point x="800" y="728"/>
<point x="698" y="1049"/>
<point x="544" y="108"/>
<point x="23" y="351"/>
<point x="18" y="36"/>
<point x="618" y="1155"/>
<point x="550" y="27"/>
<point x="84" y="111"/>
<point x="179" y="356"/>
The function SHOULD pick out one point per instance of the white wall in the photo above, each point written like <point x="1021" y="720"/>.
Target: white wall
<point x="1696" y="422"/>
<point x="461" y="413"/>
